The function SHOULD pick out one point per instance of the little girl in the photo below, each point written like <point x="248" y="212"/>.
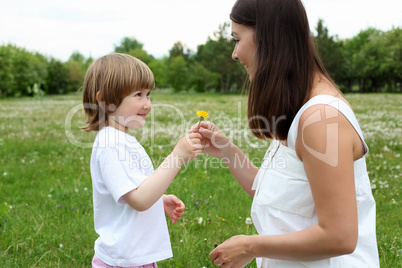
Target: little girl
<point x="128" y="195"/>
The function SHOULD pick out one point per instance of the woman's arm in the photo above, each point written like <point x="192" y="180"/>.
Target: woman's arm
<point x="218" y="145"/>
<point x="241" y="167"/>
<point x="156" y="184"/>
<point x="327" y="148"/>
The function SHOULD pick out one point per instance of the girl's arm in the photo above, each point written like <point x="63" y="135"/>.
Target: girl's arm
<point x="218" y="145"/>
<point x="143" y="197"/>
<point x="327" y="148"/>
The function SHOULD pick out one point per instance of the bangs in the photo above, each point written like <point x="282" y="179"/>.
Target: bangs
<point x="130" y="77"/>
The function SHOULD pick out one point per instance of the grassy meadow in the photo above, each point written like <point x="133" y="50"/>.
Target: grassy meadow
<point x="46" y="217"/>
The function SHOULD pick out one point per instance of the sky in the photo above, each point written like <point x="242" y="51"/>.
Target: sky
<point x="58" y="28"/>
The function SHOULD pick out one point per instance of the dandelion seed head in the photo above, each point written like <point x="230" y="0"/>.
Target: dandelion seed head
<point x="248" y="221"/>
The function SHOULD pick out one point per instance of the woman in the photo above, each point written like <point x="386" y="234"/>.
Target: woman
<point x="316" y="209"/>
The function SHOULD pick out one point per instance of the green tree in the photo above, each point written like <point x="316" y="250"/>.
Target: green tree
<point x="127" y="44"/>
<point x="179" y="68"/>
<point x="159" y="69"/>
<point x="177" y="74"/>
<point x="179" y="49"/>
<point x="133" y="47"/>
<point x="58" y="78"/>
<point x="330" y="50"/>
<point x="7" y="77"/>
<point x="201" y="79"/>
<point x="393" y="59"/>
<point x="77" y="66"/>
<point x="20" y="70"/>
<point x="215" y="56"/>
<point x="364" y="54"/>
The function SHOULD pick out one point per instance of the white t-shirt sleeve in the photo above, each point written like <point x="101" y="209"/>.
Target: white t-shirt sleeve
<point x="117" y="177"/>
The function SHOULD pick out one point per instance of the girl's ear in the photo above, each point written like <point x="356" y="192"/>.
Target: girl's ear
<point x="99" y="100"/>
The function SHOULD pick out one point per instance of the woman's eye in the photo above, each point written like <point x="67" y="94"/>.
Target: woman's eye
<point x="236" y="41"/>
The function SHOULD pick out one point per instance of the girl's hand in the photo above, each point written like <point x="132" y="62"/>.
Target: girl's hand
<point x="234" y="252"/>
<point x="188" y="147"/>
<point x="174" y="207"/>
<point x="214" y="141"/>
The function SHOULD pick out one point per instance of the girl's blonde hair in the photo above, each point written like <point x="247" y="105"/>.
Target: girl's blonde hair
<point x="108" y="81"/>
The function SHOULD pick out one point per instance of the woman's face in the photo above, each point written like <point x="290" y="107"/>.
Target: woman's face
<point x="244" y="50"/>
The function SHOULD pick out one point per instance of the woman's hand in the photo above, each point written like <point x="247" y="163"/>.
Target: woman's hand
<point x="214" y="141"/>
<point x="234" y="252"/>
<point x="174" y="207"/>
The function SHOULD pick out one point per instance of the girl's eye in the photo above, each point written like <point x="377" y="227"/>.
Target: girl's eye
<point x="138" y="94"/>
<point x="236" y="41"/>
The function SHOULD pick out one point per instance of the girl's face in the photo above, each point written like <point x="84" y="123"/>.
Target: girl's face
<point x="132" y="111"/>
<point x="244" y="50"/>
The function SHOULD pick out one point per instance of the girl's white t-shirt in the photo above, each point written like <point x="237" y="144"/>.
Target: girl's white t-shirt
<point x="127" y="237"/>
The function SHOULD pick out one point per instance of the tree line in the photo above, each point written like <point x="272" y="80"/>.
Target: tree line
<point x="368" y="62"/>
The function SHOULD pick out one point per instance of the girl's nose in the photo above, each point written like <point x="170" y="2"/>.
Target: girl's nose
<point x="147" y="104"/>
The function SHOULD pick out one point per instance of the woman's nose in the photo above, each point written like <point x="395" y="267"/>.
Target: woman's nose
<point x="234" y="54"/>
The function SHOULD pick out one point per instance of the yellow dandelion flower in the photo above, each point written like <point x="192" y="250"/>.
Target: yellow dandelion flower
<point x="202" y="114"/>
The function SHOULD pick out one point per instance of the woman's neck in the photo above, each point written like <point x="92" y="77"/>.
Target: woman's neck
<point x="323" y="86"/>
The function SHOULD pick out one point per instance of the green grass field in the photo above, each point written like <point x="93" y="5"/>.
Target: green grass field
<point x="46" y="217"/>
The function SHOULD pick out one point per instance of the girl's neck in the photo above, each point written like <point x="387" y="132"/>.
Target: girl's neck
<point x="117" y="126"/>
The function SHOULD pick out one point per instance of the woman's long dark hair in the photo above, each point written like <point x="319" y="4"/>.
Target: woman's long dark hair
<point x="286" y="61"/>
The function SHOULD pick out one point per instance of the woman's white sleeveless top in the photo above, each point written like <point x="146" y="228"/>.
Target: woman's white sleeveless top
<point x="283" y="202"/>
